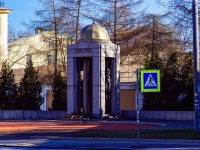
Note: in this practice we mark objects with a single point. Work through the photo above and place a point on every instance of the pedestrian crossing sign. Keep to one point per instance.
(150, 80)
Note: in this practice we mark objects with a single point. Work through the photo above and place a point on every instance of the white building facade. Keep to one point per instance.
(4, 33)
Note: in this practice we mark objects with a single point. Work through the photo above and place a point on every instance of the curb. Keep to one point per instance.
(98, 139)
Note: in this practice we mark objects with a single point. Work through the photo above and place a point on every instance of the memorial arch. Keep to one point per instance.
(93, 73)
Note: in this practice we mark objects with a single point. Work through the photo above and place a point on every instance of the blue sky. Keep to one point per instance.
(22, 10)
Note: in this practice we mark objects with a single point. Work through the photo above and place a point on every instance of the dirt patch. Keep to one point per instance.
(38, 127)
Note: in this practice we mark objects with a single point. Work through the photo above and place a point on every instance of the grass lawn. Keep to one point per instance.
(145, 134)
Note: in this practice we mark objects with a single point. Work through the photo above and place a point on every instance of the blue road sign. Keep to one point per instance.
(150, 80)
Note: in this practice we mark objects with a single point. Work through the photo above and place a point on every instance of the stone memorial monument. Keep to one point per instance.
(93, 74)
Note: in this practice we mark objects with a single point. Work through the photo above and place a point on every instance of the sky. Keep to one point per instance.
(23, 10)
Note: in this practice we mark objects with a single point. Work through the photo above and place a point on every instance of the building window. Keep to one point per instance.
(28, 58)
(51, 59)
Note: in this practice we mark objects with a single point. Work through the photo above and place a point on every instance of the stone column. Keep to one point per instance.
(98, 84)
(72, 81)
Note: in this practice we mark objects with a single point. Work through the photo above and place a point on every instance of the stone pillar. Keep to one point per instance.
(98, 83)
(72, 84)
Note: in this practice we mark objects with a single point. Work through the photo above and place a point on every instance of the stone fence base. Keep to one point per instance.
(145, 115)
(31, 114)
(160, 115)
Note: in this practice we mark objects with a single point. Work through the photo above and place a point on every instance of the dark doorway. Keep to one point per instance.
(108, 85)
(85, 85)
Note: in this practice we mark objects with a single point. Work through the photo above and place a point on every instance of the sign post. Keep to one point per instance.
(138, 108)
(149, 82)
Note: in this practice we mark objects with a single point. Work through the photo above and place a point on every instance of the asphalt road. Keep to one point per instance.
(11, 137)
(91, 143)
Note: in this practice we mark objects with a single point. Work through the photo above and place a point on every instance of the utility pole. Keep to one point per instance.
(196, 64)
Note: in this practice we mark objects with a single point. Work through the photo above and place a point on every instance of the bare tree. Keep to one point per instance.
(118, 16)
(181, 18)
(51, 19)
(150, 38)
(14, 35)
(76, 14)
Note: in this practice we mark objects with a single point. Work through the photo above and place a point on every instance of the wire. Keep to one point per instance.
(21, 9)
